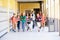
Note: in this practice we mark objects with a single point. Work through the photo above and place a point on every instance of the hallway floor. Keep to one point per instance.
(31, 36)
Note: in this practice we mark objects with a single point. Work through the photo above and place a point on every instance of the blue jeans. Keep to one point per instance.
(18, 25)
(23, 26)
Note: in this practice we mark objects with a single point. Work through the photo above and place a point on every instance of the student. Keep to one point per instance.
(18, 22)
(23, 20)
(31, 23)
(38, 22)
(27, 21)
(43, 20)
(40, 14)
(33, 18)
(14, 22)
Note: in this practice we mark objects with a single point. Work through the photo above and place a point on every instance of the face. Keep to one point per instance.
(23, 14)
(43, 14)
(40, 12)
(37, 15)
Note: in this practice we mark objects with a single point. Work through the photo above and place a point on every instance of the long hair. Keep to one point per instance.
(21, 14)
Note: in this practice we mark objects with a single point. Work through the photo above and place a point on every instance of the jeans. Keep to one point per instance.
(33, 23)
(18, 25)
(23, 26)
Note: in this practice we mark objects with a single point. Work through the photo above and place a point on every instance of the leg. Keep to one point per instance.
(33, 24)
(23, 26)
(38, 24)
(14, 26)
(18, 25)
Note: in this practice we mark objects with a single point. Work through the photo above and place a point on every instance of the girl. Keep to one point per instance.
(23, 20)
(43, 20)
(30, 23)
(14, 22)
(38, 22)
(18, 22)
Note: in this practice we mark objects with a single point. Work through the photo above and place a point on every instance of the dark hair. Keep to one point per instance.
(29, 14)
(17, 16)
(13, 13)
(21, 14)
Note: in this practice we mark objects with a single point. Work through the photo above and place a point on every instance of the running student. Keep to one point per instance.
(43, 20)
(23, 20)
(38, 22)
(14, 22)
(18, 22)
(30, 23)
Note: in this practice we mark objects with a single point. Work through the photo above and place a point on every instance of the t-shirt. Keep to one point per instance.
(18, 18)
(23, 18)
(38, 19)
(14, 20)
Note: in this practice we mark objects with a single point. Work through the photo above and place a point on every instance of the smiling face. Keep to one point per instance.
(37, 15)
(40, 12)
(23, 14)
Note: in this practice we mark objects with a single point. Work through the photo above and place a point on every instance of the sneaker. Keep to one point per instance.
(14, 30)
(18, 30)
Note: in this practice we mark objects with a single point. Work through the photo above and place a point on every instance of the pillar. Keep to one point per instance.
(59, 18)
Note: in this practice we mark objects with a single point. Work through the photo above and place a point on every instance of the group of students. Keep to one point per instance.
(28, 20)
(15, 20)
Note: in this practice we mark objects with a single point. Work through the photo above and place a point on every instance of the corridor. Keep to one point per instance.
(34, 35)
(29, 19)
(31, 36)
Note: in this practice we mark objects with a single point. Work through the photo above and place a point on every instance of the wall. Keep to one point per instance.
(14, 5)
(57, 15)
(7, 8)
(29, 6)
(53, 15)
(59, 18)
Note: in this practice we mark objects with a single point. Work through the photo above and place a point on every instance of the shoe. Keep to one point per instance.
(14, 30)
(38, 30)
(18, 30)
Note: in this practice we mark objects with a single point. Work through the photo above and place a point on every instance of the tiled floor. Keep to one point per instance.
(42, 35)
(31, 36)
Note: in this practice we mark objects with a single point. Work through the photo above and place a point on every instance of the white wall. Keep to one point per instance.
(53, 14)
(59, 17)
(4, 20)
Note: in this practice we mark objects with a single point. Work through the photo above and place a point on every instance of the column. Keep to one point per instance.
(59, 18)
(56, 15)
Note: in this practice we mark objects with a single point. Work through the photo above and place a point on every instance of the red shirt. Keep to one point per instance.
(13, 19)
(43, 19)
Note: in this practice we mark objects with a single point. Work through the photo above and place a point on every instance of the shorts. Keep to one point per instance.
(38, 24)
(31, 25)
(28, 22)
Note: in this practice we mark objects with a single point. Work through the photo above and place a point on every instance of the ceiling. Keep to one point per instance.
(28, 0)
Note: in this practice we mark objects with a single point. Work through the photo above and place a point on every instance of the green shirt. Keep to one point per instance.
(23, 18)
